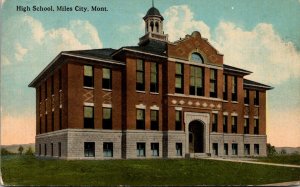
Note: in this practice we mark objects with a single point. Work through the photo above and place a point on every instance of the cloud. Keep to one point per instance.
(4, 62)
(180, 21)
(20, 52)
(260, 50)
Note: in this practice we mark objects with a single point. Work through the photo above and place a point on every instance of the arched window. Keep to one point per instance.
(196, 57)
(157, 27)
(151, 25)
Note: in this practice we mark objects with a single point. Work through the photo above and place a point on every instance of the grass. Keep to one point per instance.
(282, 159)
(28, 170)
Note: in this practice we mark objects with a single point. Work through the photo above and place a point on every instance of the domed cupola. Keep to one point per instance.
(153, 26)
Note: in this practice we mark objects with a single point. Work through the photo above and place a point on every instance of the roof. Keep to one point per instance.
(153, 12)
(94, 53)
(250, 83)
(235, 69)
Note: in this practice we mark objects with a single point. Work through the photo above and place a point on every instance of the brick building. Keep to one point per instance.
(159, 99)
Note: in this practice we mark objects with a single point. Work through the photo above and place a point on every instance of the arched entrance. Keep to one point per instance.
(196, 137)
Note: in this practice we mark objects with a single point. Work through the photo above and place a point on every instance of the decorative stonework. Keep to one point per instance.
(181, 102)
(52, 103)
(88, 96)
(211, 105)
(219, 106)
(197, 103)
(190, 103)
(204, 104)
(246, 111)
(256, 111)
(174, 101)
(106, 97)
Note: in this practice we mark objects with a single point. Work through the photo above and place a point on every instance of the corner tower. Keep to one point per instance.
(153, 26)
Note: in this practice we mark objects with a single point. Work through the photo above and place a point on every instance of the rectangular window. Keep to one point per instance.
(40, 149)
(140, 150)
(215, 148)
(246, 96)
(234, 124)
(225, 85)
(246, 126)
(140, 119)
(256, 149)
(214, 122)
(51, 149)
(256, 126)
(59, 79)
(52, 85)
(46, 123)
(107, 118)
(234, 149)
(60, 118)
(178, 149)
(225, 149)
(155, 149)
(40, 93)
(40, 125)
(154, 119)
(89, 149)
(178, 120)
(225, 124)
(140, 75)
(59, 149)
(106, 78)
(88, 80)
(213, 83)
(46, 90)
(246, 149)
(154, 77)
(196, 81)
(234, 89)
(256, 98)
(52, 120)
(108, 149)
(88, 117)
(179, 78)
(45, 149)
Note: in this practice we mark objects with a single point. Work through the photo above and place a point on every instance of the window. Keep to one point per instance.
(108, 149)
(59, 79)
(46, 123)
(256, 98)
(52, 120)
(196, 81)
(215, 148)
(214, 122)
(51, 149)
(225, 124)
(234, 89)
(40, 149)
(225, 85)
(40, 125)
(196, 57)
(45, 149)
(256, 126)
(88, 117)
(107, 118)
(234, 124)
(52, 85)
(46, 92)
(106, 78)
(246, 96)
(155, 149)
(154, 119)
(225, 149)
(247, 149)
(179, 78)
(140, 150)
(89, 149)
(140, 75)
(59, 149)
(178, 149)
(234, 149)
(178, 120)
(40, 94)
(256, 149)
(246, 126)
(140, 119)
(154, 77)
(88, 80)
(60, 118)
(213, 83)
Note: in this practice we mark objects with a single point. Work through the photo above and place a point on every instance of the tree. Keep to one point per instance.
(271, 151)
(283, 151)
(29, 151)
(5, 152)
(21, 149)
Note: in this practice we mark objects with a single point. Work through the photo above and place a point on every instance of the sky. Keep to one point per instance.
(259, 36)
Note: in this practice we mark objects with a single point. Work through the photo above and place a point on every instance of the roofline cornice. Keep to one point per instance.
(136, 51)
(258, 86)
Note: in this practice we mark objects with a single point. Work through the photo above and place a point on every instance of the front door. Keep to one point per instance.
(196, 137)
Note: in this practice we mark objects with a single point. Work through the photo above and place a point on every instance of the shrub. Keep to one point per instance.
(29, 151)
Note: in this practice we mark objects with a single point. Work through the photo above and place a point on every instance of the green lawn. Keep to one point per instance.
(27, 170)
(282, 159)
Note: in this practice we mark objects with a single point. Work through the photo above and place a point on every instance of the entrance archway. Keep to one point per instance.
(196, 137)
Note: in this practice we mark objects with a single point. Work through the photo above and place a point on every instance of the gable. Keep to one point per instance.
(184, 48)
